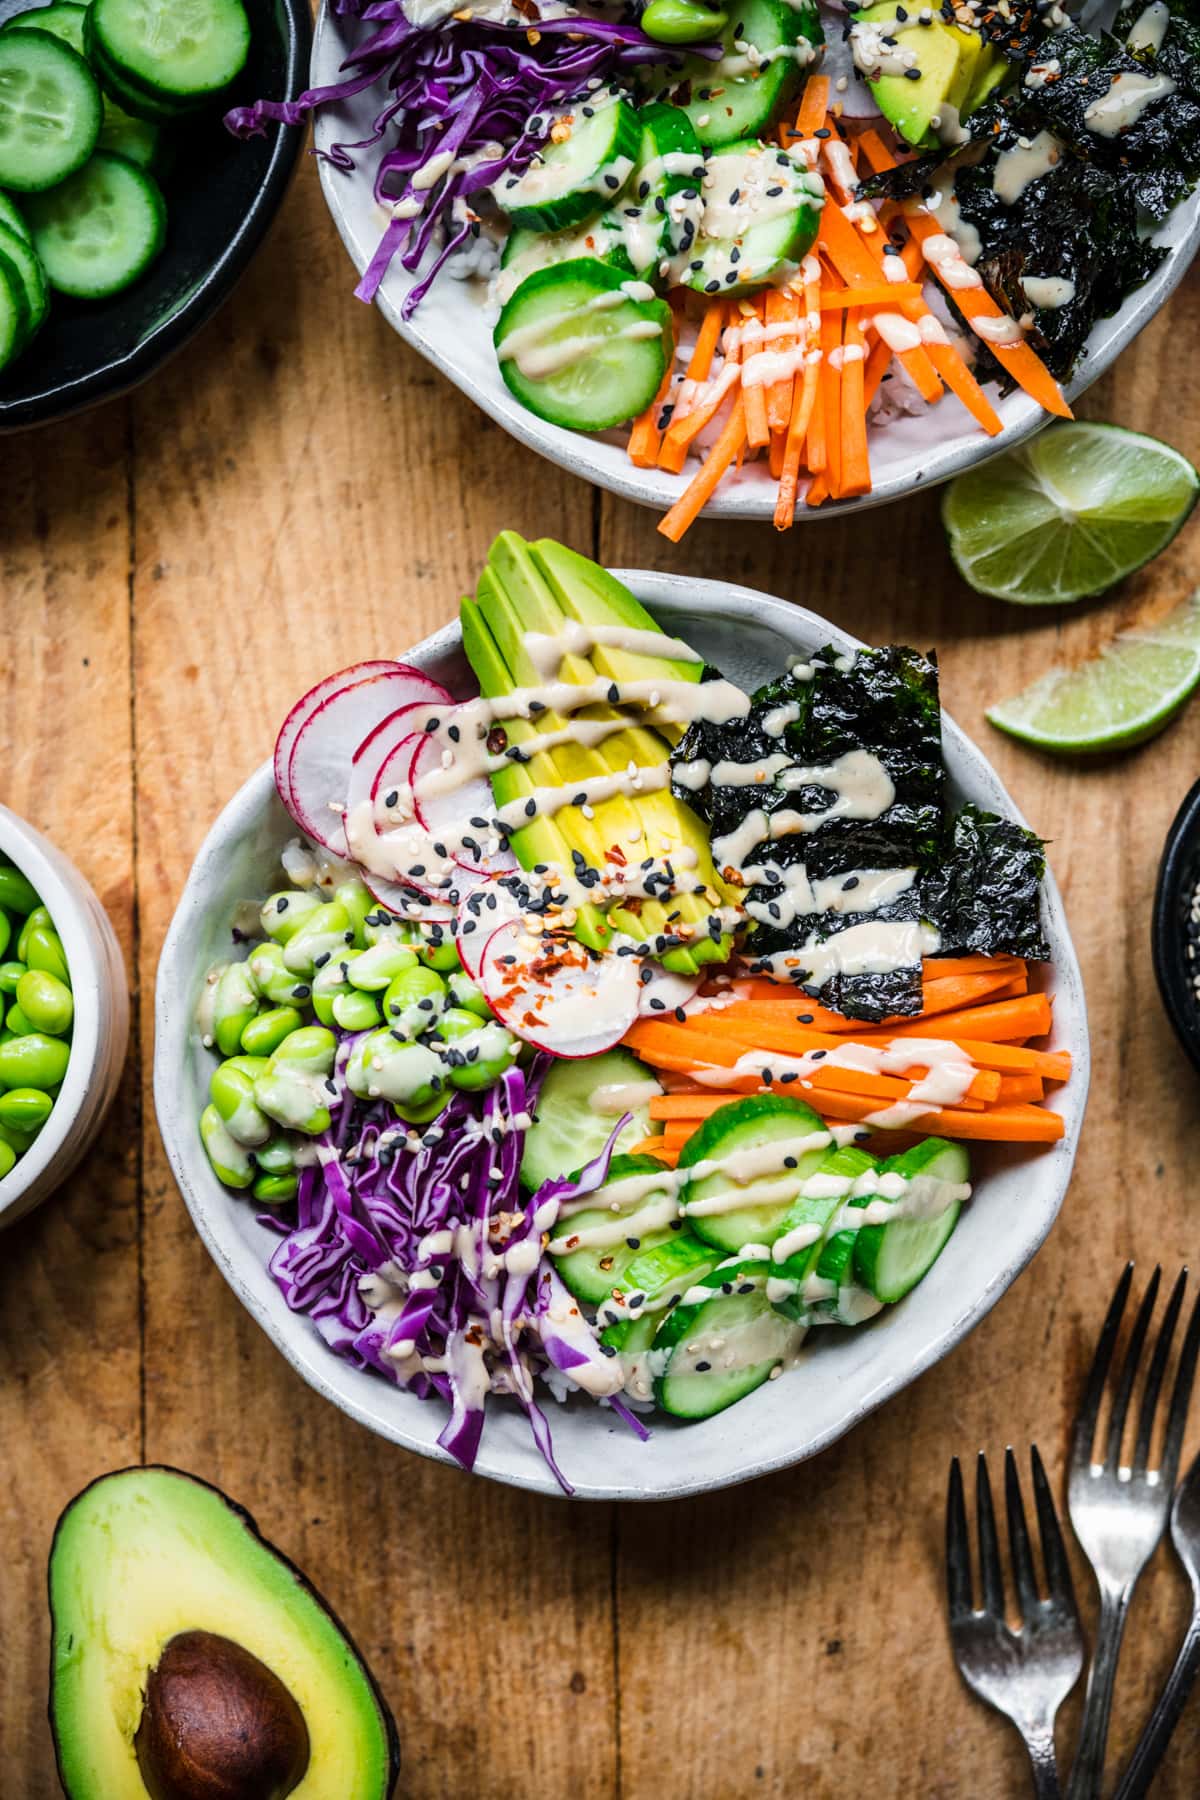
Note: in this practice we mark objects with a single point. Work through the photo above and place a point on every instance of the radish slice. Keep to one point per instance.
(662, 992)
(493, 903)
(412, 907)
(554, 994)
(454, 815)
(318, 774)
(307, 705)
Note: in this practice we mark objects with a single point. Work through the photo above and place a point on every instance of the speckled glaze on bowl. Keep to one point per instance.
(451, 332)
(222, 196)
(101, 1030)
(1171, 932)
(842, 1376)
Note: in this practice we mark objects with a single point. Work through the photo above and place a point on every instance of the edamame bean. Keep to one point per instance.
(421, 1115)
(38, 920)
(8, 1159)
(311, 1048)
(274, 1190)
(232, 1091)
(283, 914)
(10, 974)
(357, 901)
(16, 1140)
(46, 1002)
(328, 930)
(16, 1022)
(25, 1109)
(231, 1163)
(263, 1034)
(412, 1074)
(235, 1003)
(383, 927)
(274, 978)
(295, 1098)
(330, 980)
(462, 990)
(438, 950)
(414, 1000)
(276, 1157)
(380, 965)
(5, 932)
(43, 949)
(681, 22)
(33, 1060)
(17, 895)
(487, 1053)
(356, 1012)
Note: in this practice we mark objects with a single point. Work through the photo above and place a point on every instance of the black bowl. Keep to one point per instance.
(221, 197)
(1173, 931)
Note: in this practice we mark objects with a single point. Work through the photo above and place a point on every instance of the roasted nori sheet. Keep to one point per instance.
(984, 892)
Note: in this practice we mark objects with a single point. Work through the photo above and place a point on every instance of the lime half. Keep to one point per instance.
(1067, 514)
(1130, 691)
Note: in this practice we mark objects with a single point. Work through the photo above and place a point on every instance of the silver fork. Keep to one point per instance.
(1028, 1672)
(1118, 1511)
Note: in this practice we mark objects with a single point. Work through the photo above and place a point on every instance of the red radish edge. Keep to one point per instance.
(307, 704)
(570, 988)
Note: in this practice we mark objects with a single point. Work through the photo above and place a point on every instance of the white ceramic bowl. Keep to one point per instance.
(842, 1375)
(101, 1030)
(451, 331)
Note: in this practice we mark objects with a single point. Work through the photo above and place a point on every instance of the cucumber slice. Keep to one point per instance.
(612, 1232)
(574, 176)
(569, 1130)
(12, 216)
(173, 50)
(137, 140)
(658, 215)
(50, 111)
(24, 259)
(719, 1350)
(101, 230)
(761, 213)
(527, 251)
(64, 20)
(658, 1276)
(814, 1213)
(767, 45)
(583, 346)
(135, 101)
(631, 1340)
(889, 1260)
(12, 311)
(785, 1140)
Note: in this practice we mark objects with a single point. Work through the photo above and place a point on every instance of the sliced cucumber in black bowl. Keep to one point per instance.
(139, 212)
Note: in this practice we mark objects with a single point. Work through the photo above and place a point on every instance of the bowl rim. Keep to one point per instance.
(1168, 946)
(59, 400)
(581, 454)
(306, 1352)
(70, 909)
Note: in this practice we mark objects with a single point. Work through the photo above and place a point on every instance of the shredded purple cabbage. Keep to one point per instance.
(452, 93)
(443, 1224)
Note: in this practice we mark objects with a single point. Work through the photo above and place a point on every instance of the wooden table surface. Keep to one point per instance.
(296, 491)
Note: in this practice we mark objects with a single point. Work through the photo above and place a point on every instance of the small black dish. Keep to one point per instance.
(1173, 931)
(221, 197)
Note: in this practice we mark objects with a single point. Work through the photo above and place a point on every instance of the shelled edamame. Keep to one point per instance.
(37, 1013)
(336, 997)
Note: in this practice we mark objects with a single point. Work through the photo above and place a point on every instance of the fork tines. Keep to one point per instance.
(1089, 1411)
(1059, 1585)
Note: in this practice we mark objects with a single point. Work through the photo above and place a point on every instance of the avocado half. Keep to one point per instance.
(190, 1660)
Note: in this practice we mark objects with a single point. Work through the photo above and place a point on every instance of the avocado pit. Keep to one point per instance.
(218, 1724)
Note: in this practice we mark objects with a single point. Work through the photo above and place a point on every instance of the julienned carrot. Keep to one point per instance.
(1015, 1124)
(845, 250)
(884, 293)
(878, 363)
(814, 104)
(700, 489)
(782, 308)
(818, 489)
(805, 393)
(831, 393)
(856, 462)
(707, 338)
(995, 1023)
(1026, 368)
(938, 994)
(651, 1146)
(1025, 1090)
(645, 439)
(752, 319)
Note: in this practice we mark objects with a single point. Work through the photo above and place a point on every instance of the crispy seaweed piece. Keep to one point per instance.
(741, 741)
(984, 895)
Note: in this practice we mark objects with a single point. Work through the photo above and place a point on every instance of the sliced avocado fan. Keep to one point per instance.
(190, 1658)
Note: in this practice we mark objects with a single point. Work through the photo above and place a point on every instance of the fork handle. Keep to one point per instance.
(1087, 1771)
(1040, 1746)
(1154, 1740)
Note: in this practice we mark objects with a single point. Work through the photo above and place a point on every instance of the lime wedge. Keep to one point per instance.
(1122, 697)
(1067, 514)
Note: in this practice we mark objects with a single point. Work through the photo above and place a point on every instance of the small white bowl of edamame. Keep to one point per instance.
(99, 1030)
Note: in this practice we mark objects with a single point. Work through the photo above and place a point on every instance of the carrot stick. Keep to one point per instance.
(884, 293)
(804, 397)
(782, 308)
(758, 431)
(681, 432)
(707, 339)
(939, 994)
(845, 249)
(1022, 1089)
(831, 388)
(645, 439)
(818, 489)
(814, 104)
(700, 489)
(652, 1146)
(856, 462)
(878, 363)
(776, 451)
(1001, 1124)
(1000, 1022)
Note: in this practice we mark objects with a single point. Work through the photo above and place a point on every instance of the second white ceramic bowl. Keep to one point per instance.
(843, 1375)
(101, 1030)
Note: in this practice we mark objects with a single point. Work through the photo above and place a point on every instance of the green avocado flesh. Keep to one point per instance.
(146, 1555)
(957, 70)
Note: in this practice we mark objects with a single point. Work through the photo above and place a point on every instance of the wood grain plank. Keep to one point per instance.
(822, 1657)
(69, 1327)
(311, 494)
